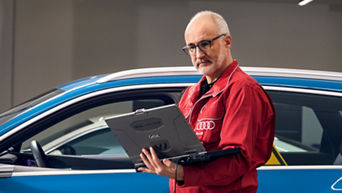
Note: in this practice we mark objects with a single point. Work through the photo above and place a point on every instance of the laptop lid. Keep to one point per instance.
(164, 128)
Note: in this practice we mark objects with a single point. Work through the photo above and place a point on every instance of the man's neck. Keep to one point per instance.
(217, 75)
(211, 80)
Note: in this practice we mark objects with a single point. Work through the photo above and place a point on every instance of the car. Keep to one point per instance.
(59, 142)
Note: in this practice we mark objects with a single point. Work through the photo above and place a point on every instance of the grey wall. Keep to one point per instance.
(43, 54)
(61, 40)
(104, 36)
(6, 46)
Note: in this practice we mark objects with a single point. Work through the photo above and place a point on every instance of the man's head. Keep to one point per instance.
(208, 43)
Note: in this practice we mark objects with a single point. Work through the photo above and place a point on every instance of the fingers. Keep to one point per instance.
(141, 169)
(150, 159)
(153, 153)
(155, 159)
(145, 160)
(168, 163)
(154, 165)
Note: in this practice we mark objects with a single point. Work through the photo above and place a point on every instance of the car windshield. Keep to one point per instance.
(13, 112)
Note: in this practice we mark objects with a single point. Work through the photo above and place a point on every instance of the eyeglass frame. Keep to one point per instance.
(186, 48)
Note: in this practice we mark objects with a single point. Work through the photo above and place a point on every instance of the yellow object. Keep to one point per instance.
(276, 159)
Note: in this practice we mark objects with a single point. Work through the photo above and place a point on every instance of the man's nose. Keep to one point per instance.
(199, 53)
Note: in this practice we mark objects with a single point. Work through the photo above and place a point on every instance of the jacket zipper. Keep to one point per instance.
(230, 76)
(196, 104)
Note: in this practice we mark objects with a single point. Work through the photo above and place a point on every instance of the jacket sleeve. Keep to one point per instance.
(246, 109)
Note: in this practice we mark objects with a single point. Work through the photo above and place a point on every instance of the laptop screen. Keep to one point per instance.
(164, 128)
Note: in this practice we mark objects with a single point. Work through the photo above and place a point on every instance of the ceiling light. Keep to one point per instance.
(304, 2)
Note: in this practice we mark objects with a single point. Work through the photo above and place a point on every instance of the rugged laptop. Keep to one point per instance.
(166, 130)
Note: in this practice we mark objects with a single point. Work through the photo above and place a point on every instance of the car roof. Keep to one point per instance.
(253, 71)
(191, 71)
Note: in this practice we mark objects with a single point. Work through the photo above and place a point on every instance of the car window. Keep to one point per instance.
(13, 112)
(86, 132)
(308, 127)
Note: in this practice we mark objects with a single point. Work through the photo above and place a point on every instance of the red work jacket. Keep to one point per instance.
(235, 112)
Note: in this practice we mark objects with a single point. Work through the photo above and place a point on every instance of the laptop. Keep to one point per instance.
(166, 130)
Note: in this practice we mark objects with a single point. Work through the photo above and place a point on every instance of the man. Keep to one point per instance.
(240, 112)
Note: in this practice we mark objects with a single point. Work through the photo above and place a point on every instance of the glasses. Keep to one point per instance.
(203, 45)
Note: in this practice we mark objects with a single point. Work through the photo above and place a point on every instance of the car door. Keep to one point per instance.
(309, 137)
(106, 181)
(80, 152)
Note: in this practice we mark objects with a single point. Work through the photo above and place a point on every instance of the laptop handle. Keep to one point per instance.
(199, 157)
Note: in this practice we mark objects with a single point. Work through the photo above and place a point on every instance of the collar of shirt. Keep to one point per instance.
(219, 85)
(205, 87)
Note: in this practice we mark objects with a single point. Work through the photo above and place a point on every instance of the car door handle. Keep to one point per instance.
(338, 181)
(6, 171)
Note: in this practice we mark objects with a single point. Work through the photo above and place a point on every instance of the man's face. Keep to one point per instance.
(211, 61)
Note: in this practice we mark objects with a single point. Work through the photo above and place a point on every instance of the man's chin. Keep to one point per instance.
(204, 69)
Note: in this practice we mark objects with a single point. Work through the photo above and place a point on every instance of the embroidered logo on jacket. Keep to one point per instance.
(204, 126)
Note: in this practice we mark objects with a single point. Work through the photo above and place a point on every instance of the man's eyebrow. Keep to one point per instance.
(190, 44)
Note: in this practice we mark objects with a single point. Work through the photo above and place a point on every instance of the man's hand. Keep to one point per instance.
(164, 168)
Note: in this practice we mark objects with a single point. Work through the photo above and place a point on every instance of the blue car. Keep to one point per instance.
(59, 142)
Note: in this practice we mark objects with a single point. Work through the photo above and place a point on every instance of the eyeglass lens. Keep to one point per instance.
(203, 45)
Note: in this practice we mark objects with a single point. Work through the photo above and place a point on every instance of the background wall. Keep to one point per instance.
(46, 43)
(6, 49)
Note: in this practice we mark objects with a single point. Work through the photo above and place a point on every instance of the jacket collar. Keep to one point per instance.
(220, 84)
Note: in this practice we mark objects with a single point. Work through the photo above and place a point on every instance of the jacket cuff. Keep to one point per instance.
(189, 178)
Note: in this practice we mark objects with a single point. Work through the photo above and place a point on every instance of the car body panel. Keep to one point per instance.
(271, 178)
(82, 181)
(300, 179)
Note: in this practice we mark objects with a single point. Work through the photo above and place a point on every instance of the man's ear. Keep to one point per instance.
(228, 40)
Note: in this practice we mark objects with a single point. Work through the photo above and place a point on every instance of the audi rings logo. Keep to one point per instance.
(205, 125)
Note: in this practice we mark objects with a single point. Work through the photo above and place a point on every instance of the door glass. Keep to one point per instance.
(308, 127)
(311, 128)
(13, 112)
(86, 133)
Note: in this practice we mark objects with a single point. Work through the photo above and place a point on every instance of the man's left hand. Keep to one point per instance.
(164, 168)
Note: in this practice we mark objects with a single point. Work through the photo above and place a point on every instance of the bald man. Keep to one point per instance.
(239, 111)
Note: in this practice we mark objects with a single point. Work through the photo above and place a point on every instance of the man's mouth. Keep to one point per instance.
(203, 61)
